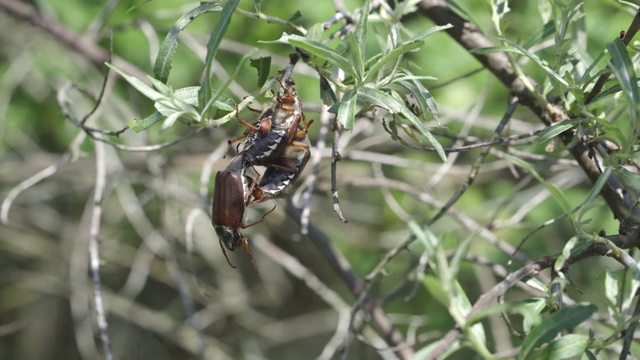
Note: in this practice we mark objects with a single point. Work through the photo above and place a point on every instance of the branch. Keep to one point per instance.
(83, 45)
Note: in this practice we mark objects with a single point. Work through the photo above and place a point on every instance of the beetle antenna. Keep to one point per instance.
(226, 256)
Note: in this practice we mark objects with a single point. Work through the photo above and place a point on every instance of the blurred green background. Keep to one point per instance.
(46, 301)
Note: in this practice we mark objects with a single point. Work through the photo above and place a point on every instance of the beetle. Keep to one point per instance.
(230, 194)
(267, 138)
(277, 181)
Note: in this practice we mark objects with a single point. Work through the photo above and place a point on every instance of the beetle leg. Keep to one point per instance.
(261, 219)
(252, 187)
(261, 126)
(306, 123)
(285, 165)
(244, 135)
(245, 242)
(299, 145)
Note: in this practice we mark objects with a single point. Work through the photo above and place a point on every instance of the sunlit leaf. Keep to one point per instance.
(138, 84)
(403, 48)
(557, 129)
(538, 61)
(212, 48)
(319, 50)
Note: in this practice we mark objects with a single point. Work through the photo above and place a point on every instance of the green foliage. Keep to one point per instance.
(379, 81)
(565, 318)
(385, 70)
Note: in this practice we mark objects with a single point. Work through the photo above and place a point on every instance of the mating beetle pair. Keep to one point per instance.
(277, 141)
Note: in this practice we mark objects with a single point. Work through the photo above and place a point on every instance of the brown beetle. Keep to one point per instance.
(230, 194)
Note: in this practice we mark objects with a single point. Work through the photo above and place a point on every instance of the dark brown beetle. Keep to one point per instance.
(230, 195)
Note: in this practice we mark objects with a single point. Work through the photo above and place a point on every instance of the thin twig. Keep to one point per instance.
(29, 182)
(334, 166)
(316, 157)
(475, 145)
(94, 249)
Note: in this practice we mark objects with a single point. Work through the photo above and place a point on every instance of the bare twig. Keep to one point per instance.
(29, 182)
(334, 166)
(475, 145)
(94, 249)
(305, 204)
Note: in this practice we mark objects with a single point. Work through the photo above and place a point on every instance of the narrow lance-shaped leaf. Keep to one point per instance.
(388, 102)
(538, 61)
(216, 94)
(327, 94)
(212, 48)
(356, 56)
(557, 129)
(168, 48)
(625, 74)
(347, 110)
(141, 125)
(427, 32)
(316, 49)
(557, 194)
(145, 89)
(190, 96)
(360, 38)
(422, 96)
(570, 346)
(565, 318)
